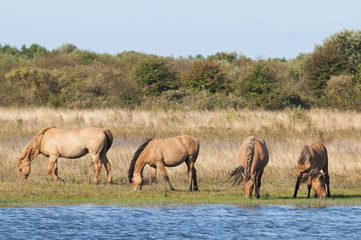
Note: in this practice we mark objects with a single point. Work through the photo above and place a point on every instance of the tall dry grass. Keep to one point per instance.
(220, 134)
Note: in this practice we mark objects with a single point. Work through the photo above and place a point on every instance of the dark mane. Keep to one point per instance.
(250, 153)
(135, 158)
(313, 173)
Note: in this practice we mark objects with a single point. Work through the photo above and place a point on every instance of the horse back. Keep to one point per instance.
(260, 150)
(73, 143)
(173, 151)
(319, 155)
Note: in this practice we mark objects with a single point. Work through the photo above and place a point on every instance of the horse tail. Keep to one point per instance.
(32, 149)
(238, 175)
(196, 155)
(135, 158)
(305, 155)
(109, 136)
(250, 153)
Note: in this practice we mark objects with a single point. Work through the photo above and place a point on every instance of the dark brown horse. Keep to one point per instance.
(54, 142)
(161, 153)
(254, 158)
(311, 161)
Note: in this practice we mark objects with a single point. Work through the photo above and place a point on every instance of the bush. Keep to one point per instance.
(205, 75)
(154, 75)
(32, 85)
(341, 93)
(262, 87)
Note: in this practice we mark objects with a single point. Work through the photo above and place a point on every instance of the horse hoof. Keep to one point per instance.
(172, 189)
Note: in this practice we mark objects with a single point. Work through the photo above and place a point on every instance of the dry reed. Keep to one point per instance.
(220, 134)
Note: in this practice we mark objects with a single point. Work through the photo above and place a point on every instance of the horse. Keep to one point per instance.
(312, 159)
(54, 142)
(161, 153)
(254, 157)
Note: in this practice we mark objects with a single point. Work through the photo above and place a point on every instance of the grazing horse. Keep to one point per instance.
(254, 158)
(312, 159)
(54, 142)
(161, 153)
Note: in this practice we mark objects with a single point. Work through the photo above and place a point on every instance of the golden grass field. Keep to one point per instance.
(220, 134)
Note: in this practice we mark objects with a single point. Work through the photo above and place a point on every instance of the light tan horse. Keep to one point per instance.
(161, 153)
(54, 142)
(254, 157)
(312, 159)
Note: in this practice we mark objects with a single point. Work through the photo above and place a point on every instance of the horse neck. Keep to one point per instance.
(31, 151)
(139, 166)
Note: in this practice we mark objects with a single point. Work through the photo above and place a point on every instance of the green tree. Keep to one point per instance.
(205, 75)
(347, 44)
(33, 51)
(86, 57)
(223, 56)
(67, 48)
(154, 74)
(262, 87)
(323, 63)
(7, 49)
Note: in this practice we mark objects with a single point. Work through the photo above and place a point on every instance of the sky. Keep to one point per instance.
(259, 29)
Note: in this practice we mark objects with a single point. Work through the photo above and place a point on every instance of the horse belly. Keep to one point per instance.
(174, 160)
(71, 150)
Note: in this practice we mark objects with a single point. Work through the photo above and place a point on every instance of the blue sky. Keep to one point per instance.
(257, 28)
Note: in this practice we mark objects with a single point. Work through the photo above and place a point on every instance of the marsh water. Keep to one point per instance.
(180, 222)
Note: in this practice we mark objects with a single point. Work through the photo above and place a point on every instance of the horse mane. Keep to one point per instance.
(313, 173)
(135, 158)
(32, 149)
(250, 153)
(109, 135)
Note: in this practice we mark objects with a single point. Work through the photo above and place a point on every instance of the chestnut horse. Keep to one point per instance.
(312, 159)
(54, 142)
(254, 158)
(161, 153)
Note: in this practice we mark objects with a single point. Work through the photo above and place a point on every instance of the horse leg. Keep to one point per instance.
(327, 180)
(153, 175)
(98, 166)
(106, 163)
(165, 175)
(55, 171)
(195, 184)
(52, 168)
(299, 176)
(190, 166)
(258, 183)
(309, 186)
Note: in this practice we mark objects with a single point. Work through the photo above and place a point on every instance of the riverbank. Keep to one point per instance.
(14, 194)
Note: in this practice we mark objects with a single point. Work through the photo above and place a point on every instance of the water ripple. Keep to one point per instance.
(183, 222)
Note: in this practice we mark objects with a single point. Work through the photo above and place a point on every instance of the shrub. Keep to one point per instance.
(205, 75)
(154, 75)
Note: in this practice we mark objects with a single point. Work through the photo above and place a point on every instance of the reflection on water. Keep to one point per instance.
(179, 222)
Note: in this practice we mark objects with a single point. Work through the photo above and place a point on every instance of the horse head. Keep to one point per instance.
(248, 187)
(23, 170)
(137, 181)
(318, 185)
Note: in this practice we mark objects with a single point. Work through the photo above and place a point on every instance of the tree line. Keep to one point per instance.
(67, 77)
